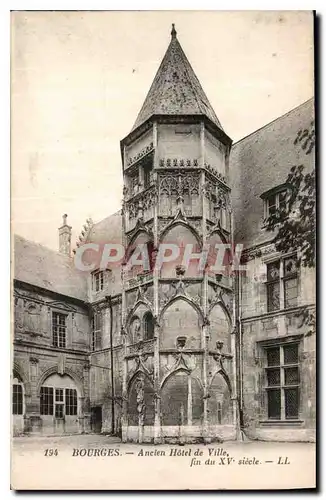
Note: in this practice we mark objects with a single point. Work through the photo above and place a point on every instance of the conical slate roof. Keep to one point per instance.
(176, 89)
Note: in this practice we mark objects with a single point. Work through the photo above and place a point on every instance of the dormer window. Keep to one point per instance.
(275, 199)
(98, 281)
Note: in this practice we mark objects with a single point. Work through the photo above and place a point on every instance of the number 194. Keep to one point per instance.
(50, 452)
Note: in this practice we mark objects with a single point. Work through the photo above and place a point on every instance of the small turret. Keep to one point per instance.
(65, 237)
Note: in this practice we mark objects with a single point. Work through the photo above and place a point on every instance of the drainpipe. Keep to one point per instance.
(112, 369)
(234, 339)
(237, 314)
(240, 351)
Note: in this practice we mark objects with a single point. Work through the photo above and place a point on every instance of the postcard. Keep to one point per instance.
(163, 229)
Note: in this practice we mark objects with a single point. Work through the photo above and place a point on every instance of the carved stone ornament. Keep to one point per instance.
(139, 386)
(145, 151)
(180, 270)
(254, 253)
(219, 356)
(84, 233)
(206, 321)
(178, 163)
(181, 342)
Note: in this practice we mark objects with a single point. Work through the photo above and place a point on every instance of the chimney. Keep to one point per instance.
(65, 237)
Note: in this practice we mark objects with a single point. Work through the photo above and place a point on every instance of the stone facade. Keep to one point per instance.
(173, 354)
(36, 360)
(268, 155)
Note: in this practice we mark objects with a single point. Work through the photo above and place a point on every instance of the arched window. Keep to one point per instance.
(148, 326)
(219, 404)
(58, 396)
(17, 396)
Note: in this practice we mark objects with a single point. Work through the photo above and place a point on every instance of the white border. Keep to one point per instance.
(5, 8)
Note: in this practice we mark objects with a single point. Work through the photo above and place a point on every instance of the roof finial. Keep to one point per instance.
(173, 32)
(64, 219)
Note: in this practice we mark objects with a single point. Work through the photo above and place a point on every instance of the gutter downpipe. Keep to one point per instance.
(112, 370)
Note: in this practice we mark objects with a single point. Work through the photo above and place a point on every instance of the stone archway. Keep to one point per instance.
(180, 317)
(220, 403)
(67, 371)
(181, 400)
(140, 400)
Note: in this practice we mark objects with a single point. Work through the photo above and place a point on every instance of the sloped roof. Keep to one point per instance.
(176, 89)
(262, 161)
(40, 266)
(108, 230)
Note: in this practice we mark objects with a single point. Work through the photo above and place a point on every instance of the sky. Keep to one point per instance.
(79, 79)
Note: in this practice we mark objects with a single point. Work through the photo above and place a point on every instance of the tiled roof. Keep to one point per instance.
(262, 161)
(108, 230)
(176, 89)
(40, 266)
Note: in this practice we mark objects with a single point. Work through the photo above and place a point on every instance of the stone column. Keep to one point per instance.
(156, 360)
(80, 414)
(202, 145)
(140, 406)
(234, 333)
(32, 417)
(234, 398)
(157, 400)
(124, 413)
(205, 336)
(189, 402)
(155, 144)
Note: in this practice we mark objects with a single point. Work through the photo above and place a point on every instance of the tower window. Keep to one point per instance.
(148, 326)
(147, 174)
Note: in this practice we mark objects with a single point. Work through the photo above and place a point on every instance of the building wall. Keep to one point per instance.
(215, 153)
(35, 358)
(101, 392)
(255, 335)
(138, 146)
(262, 161)
(178, 141)
(101, 388)
(258, 163)
(260, 330)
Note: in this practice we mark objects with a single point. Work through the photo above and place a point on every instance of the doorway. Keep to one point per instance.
(96, 419)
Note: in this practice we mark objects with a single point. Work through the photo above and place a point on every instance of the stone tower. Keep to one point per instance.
(177, 320)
